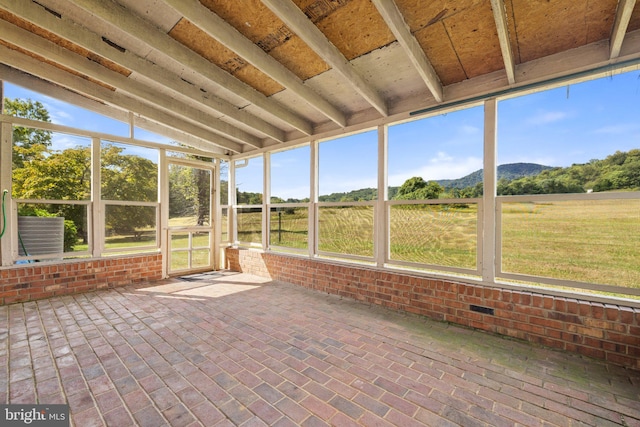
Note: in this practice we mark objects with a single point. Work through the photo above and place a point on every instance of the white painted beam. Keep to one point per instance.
(6, 150)
(623, 16)
(490, 182)
(67, 29)
(97, 225)
(500, 17)
(62, 56)
(381, 221)
(39, 85)
(397, 25)
(163, 197)
(78, 84)
(298, 22)
(226, 34)
(122, 20)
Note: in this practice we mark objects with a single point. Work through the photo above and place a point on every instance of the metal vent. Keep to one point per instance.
(40, 235)
(480, 309)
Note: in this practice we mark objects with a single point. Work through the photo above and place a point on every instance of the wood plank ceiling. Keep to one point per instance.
(243, 76)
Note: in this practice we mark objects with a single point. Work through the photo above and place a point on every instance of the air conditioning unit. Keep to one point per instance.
(40, 235)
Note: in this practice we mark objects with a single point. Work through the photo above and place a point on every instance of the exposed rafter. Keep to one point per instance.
(217, 28)
(59, 55)
(298, 22)
(154, 58)
(623, 16)
(147, 33)
(81, 36)
(500, 16)
(55, 75)
(400, 29)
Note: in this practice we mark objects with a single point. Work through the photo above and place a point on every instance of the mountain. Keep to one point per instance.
(509, 171)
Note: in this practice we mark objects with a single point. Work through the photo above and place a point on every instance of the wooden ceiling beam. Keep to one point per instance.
(396, 23)
(123, 20)
(500, 17)
(83, 37)
(226, 34)
(298, 22)
(70, 60)
(623, 16)
(78, 84)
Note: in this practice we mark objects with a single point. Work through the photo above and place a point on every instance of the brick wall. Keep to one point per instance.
(28, 282)
(603, 331)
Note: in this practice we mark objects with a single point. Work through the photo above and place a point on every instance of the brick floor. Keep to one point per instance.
(232, 349)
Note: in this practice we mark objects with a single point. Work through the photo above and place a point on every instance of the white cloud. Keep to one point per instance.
(56, 111)
(618, 129)
(442, 166)
(547, 117)
(469, 130)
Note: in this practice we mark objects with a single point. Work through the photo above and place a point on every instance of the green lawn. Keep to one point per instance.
(596, 241)
(591, 241)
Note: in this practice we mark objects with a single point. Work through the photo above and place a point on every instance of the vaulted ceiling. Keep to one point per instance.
(244, 76)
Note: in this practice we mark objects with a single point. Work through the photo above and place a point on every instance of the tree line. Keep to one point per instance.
(619, 171)
(41, 172)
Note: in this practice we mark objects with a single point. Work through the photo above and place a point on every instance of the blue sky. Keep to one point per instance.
(63, 113)
(571, 124)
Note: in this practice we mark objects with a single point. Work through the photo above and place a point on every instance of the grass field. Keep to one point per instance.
(596, 241)
(434, 234)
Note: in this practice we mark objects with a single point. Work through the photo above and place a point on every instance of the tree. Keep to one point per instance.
(128, 177)
(28, 143)
(58, 175)
(416, 188)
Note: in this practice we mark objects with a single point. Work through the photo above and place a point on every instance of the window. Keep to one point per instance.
(51, 182)
(63, 113)
(569, 211)
(249, 192)
(224, 201)
(129, 186)
(290, 189)
(435, 180)
(348, 169)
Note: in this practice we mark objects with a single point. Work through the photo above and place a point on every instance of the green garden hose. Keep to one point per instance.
(4, 214)
(4, 224)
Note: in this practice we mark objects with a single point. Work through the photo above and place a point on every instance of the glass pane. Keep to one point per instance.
(595, 241)
(290, 175)
(146, 135)
(224, 183)
(249, 179)
(45, 108)
(346, 230)
(444, 235)
(200, 258)
(189, 195)
(289, 227)
(575, 139)
(249, 225)
(130, 226)
(43, 228)
(200, 239)
(348, 168)
(443, 151)
(128, 173)
(180, 257)
(224, 225)
(50, 165)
